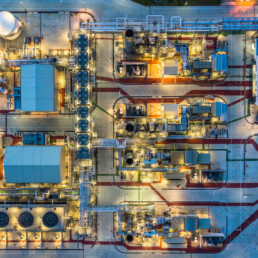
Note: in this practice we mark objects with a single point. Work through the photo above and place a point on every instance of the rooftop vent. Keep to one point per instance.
(25, 219)
(4, 219)
(50, 219)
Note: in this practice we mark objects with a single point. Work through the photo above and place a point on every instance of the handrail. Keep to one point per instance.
(174, 24)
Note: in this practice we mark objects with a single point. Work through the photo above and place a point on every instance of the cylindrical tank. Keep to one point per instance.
(129, 221)
(129, 40)
(129, 127)
(129, 159)
(129, 33)
(10, 26)
(129, 238)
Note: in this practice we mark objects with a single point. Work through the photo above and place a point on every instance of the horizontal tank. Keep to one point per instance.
(10, 26)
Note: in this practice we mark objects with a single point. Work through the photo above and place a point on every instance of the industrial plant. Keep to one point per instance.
(125, 135)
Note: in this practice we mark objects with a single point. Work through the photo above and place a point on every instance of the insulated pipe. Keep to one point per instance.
(39, 198)
(201, 22)
(176, 18)
(146, 169)
(19, 62)
(18, 192)
(112, 25)
(155, 16)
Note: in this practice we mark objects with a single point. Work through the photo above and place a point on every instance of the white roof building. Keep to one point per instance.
(34, 164)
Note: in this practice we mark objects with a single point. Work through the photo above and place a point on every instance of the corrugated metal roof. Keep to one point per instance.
(191, 223)
(204, 158)
(178, 222)
(220, 62)
(177, 157)
(201, 109)
(37, 88)
(190, 156)
(204, 223)
(201, 64)
(34, 164)
(171, 67)
(220, 109)
(170, 107)
(175, 240)
(175, 176)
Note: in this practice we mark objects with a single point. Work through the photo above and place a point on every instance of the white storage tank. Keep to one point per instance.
(10, 26)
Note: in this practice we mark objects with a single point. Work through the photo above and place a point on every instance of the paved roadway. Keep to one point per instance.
(41, 253)
(121, 8)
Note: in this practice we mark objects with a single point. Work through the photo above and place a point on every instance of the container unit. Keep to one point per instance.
(33, 139)
(17, 97)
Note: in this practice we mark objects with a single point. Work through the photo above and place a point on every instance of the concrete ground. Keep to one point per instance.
(237, 204)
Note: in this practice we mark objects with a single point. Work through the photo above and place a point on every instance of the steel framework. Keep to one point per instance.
(158, 23)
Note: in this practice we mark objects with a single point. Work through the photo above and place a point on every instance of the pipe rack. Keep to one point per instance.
(174, 24)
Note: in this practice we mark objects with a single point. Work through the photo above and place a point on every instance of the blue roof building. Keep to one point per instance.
(34, 164)
(37, 87)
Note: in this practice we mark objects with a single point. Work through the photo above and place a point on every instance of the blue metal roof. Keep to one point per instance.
(33, 139)
(37, 87)
(204, 223)
(34, 164)
(191, 223)
(221, 62)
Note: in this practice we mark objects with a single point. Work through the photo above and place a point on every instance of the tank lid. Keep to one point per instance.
(7, 23)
